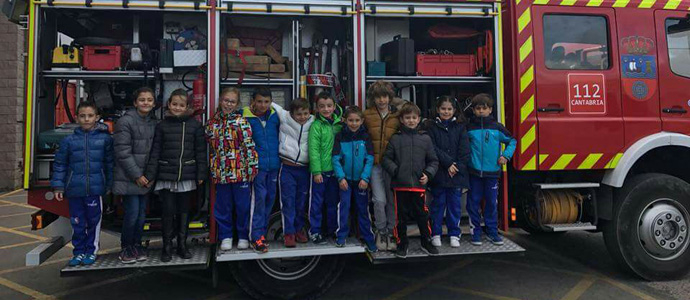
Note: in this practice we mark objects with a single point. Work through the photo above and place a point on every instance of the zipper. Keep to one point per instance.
(86, 151)
(383, 128)
(299, 143)
(481, 150)
(103, 175)
(352, 161)
(263, 128)
(179, 173)
(69, 179)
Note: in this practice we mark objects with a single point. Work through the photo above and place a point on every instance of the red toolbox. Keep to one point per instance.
(102, 58)
(446, 65)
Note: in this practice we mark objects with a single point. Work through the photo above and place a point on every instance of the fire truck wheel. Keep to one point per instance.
(649, 231)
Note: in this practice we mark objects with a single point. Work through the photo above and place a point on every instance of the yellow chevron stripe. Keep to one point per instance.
(541, 2)
(562, 161)
(526, 49)
(524, 20)
(672, 4)
(526, 78)
(590, 161)
(568, 2)
(542, 158)
(646, 3)
(517, 2)
(595, 3)
(614, 161)
(528, 138)
(621, 3)
(526, 109)
(531, 164)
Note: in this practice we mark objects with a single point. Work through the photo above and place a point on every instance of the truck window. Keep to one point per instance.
(678, 39)
(575, 42)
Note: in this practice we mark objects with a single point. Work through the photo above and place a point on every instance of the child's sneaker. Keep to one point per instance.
(476, 239)
(89, 259)
(226, 244)
(428, 248)
(127, 256)
(371, 247)
(318, 239)
(455, 241)
(392, 244)
(340, 243)
(401, 251)
(76, 260)
(495, 239)
(290, 241)
(243, 244)
(140, 252)
(301, 237)
(381, 241)
(259, 245)
(436, 240)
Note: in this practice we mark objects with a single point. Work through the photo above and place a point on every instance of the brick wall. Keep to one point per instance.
(11, 104)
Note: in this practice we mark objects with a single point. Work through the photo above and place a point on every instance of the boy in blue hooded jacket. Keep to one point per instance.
(486, 136)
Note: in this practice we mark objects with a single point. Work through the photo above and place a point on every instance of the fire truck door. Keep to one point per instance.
(673, 36)
(578, 101)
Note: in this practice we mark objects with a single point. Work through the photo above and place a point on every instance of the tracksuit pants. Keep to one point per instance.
(85, 216)
(263, 198)
(409, 205)
(382, 197)
(233, 198)
(447, 201)
(361, 201)
(133, 222)
(487, 189)
(324, 194)
(294, 183)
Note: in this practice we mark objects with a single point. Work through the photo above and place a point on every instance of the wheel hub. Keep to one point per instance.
(663, 229)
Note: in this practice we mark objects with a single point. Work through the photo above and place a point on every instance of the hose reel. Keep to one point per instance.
(559, 206)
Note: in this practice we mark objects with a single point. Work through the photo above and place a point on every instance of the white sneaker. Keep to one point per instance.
(436, 241)
(242, 244)
(455, 241)
(226, 245)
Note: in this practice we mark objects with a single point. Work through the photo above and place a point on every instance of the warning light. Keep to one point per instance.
(513, 216)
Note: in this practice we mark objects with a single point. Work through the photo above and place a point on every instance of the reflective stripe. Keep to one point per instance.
(590, 161)
(542, 158)
(646, 3)
(526, 78)
(528, 139)
(526, 109)
(531, 164)
(526, 49)
(595, 3)
(563, 162)
(524, 19)
(621, 3)
(672, 4)
(614, 161)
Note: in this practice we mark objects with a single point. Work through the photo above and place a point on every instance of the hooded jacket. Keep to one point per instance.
(293, 137)
(410, 154)
(179, 150)
(265, 136)
(353, 155)
(233, 156)
(452, 146)
(381, 129)
(486, 136)
(321, 139)
(132, 139)
(84, 163)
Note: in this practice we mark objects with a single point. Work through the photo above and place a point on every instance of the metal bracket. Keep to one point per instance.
(230, 6)
(373, 9)
(343, 9)
(449, 11)
(50, 2)
(125, 3)
(161, 4)
(411, 9)
(197, 3)
(486, 12)
(269, 8)
(88, 3)
(307, 9)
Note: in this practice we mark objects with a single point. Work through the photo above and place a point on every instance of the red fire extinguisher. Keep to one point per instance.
(199, 96)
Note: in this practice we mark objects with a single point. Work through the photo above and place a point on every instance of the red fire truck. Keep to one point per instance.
(594, 91)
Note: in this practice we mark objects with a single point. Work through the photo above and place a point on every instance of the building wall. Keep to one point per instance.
(12, 60)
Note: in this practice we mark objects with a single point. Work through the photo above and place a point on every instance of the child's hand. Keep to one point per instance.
(150, 184)
(200, 182)
(343, 184)
(424, 179)
(59, 196)
(502, 160)
(363, 185)
(318, 179)
(142, 181)
(452, 170)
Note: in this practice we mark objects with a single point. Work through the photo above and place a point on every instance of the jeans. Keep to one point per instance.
(135, 216)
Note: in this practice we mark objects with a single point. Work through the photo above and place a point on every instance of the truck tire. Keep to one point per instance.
(649, 230)
(287, 278)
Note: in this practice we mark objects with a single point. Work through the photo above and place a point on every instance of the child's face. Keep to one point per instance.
(354, 121)
(410, 120)
(482, 110)
(229, 102)
(261, 104)
(301, 115)
(144, 103)
(87, 118)
(446, 111)
(382, 102)
(177, 105)
(325, 107)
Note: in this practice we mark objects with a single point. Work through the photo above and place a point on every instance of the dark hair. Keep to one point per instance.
(261, 91)
(380, 88)
(141, 90)
(181, 93)
(409, 108)
(90, 104)
(454, 102)
(354, 109)
(483, 99)
(324, 95)
(298, 103)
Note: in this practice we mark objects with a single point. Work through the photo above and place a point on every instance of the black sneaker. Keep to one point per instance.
(127, 256)
(401, 252)
(428, 248)
(259, 246)
(318, 239)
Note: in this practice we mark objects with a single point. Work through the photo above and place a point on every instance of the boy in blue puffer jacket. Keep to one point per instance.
(486, 136)
(353, 158)
(83, 173)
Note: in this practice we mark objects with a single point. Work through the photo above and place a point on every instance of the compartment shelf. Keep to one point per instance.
(257, 81)
(96, 75)
(431, 79)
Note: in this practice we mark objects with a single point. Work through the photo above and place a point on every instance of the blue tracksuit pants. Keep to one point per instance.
(487, 189)
(85, 216)
(233, 197)
(263, 198)
(324, 194)
(446, 201)
(361, 201)
(294, 183)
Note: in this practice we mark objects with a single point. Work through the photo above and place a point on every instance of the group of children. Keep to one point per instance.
(320, 164)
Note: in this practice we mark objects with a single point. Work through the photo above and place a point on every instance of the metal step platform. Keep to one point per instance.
(200, 260)
(415, 250)
(570, 227)
(277, 249)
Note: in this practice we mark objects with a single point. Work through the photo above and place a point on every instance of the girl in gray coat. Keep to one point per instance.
(133, 139)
